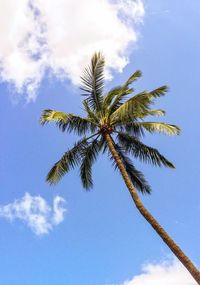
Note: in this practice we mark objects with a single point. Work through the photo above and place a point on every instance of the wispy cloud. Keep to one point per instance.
(35, 212)
(60, 36)
(164, 273)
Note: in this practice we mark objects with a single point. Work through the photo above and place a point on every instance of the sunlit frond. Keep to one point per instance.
(137, 74)
(138, 106)
(119, 99)
(158, 92)
(114, 98)
(54, 116)
(131, 126)
(68, 122)
(158, 112)
(108, 98)
(159, 127)
(132, 108)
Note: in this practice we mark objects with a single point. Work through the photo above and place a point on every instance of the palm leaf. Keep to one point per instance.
(107, 100)
(159, 127)
(137, 74)
(129, 121)
(137, 178)
(132, 108)
(68, 122)
(102, 145)
(91, 115)
(120, 92)
(54, 116)
(93, 81)
(158, 92)
(89, 155)
(158, 112)
(138, 105)
(142, 151)
(118, 100)
(68, 161)
(132, 127)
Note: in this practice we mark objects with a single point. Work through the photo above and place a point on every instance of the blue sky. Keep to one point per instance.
(100, 239)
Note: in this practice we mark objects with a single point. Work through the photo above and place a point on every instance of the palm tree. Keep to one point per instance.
(114, 123)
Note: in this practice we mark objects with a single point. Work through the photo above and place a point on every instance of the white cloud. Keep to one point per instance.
(35, 212)
(61, 36)
(165, 273)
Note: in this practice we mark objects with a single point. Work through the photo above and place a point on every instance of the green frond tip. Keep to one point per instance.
(137, 74)
(53, 116)
(158, 112)
(160, 128)
(57, 172)
(158, 92)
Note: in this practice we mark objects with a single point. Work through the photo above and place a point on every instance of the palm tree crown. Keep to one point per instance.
(115, 123)
(116, 113)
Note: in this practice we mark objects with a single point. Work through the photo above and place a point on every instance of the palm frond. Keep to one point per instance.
(119, 93)
(143, 152)
(160, 91)
(137, 74)
(159, 127)
(49, 115)
(138, 105)
(68, 122)
(119, 99)
(93, 81)
(91, 115)
(131, 128)
(126, 120)
(89, 155)
(137, 178)
(108, 98)
(103, 145)
(68, 161)
(158, 112)
(132, 108)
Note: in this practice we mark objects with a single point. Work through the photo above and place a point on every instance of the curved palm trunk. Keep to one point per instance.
(150, 219)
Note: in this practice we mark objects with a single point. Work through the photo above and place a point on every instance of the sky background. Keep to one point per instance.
(64, 235)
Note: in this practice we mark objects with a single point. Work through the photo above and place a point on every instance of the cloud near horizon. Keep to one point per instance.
(59, 37)
(35, 212)
(170, 272)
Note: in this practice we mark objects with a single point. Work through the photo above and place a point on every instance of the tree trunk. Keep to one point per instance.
(150, 219)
